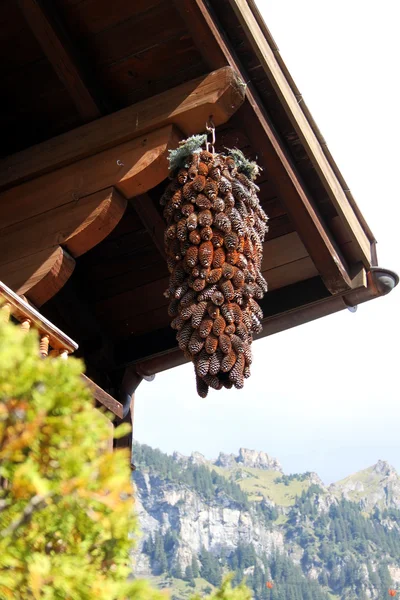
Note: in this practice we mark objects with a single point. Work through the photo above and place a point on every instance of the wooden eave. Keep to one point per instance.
(81, 231)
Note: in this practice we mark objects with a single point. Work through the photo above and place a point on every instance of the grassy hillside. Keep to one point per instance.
(259, 484)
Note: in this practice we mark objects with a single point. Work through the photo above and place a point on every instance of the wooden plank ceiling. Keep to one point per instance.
(73, 61)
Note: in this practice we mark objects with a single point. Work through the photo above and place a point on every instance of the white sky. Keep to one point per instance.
(324, 396)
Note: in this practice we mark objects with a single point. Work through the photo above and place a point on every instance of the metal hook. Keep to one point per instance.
(210, 128)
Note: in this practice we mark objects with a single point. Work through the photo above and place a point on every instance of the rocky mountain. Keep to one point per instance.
(378, 486)
(201, 519)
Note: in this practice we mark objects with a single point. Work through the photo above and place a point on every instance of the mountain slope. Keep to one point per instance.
(203, 518)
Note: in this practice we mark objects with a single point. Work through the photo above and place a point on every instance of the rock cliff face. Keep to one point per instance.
(213, 525)
(258, 460)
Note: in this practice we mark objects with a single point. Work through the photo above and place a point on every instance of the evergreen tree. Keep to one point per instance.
(189, 574)
(195, 567)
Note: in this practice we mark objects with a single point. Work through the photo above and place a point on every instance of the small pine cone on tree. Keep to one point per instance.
(191, 257)
(246, 372)
(222, 222)
(218, 205)
(232, 257)
(217, 240)
(205, 327)
(219, 326)
(215, 362)
(237, 344)
(238, 278)
(201, 387)
(219, 258)
(206, 233)
(214, 275)
(213, 382)
(236, 374)
(177, 323)
(227, 289)
(203, 202)
(211, 189)
(202, 169)
(231, 241)
(182, 230)
(217, 298)
(227, 313)
(196, 343)
(186, 312)
(213, 310)
(182, 176)
(184, 335)
(206, 253)
(187, 299)
(199, 183)
(228, 361)
(208, 291)
(205, 218)
(191, 222)
(187, 209)
(224, 343)
(188, 192)
(199, 284)
(198, 314)
(203, 363)
(242, 331)
(173, 307)
(248, 356)
(228, 270)
(211, 344)
(195, 237)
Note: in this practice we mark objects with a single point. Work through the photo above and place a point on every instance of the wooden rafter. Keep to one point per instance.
(57, 50)
(187, 106)
(315, 236)
(151, 219)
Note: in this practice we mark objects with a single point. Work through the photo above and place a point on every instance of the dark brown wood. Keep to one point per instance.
(56, 51)
(199, 30)
(40, 276)
(261, 133)
(105, 399)
(132, 167)
(188, 106)
(78, 225)
(151, 219)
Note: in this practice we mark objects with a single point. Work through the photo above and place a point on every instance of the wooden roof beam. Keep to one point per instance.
(59, 52)
(151, 219)
(313, 232)
(188, 106)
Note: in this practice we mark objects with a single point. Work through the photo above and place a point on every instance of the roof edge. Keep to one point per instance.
(317, 132)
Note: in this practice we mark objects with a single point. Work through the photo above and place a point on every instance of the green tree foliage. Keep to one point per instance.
(209, 484)
(66, 506)
(210, 568)
(342, 539)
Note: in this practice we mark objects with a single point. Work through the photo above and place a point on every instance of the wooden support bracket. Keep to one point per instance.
(64, 208)
(188, 106)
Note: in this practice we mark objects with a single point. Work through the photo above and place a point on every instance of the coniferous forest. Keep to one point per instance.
(332, 547)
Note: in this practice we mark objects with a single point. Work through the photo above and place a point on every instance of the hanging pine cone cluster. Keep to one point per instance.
(214, 242)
